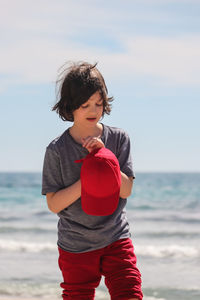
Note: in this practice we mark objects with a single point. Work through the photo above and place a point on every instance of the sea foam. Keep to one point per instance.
(142, 250)
(22, 246)
(167, 251)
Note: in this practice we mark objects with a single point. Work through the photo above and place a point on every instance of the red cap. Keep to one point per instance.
(100, 182)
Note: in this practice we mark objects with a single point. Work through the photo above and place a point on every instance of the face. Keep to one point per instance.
(90, 112)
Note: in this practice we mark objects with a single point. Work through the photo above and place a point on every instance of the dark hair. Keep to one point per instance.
(76, 84)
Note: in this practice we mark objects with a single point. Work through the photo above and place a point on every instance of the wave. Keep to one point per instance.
(23, 289)
(153, 251)
(164, 216)
(166, 234)
(177, 251)
(31, 289)
(28, 289)
(37, 230)
(152, 298)
(21, 246)
(162, 293)
(9, 219)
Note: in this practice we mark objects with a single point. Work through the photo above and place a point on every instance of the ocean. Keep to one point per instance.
(164, 218)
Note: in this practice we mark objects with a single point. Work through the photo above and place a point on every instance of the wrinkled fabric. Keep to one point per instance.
(117, 262)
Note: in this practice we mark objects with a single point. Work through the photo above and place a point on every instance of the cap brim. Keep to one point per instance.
(99, 206)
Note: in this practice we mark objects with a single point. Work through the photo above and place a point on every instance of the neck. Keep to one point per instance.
(79, 132)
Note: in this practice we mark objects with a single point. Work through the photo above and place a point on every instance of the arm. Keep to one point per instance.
(63, 198)
(126, 186)
(58, 196)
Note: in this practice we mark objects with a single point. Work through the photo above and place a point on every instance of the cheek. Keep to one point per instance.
(100, 110)
(77, 114)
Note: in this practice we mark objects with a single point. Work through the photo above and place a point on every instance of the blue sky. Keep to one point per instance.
(148, 52)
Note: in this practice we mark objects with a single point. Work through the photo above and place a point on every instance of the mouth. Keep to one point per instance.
(91, 119)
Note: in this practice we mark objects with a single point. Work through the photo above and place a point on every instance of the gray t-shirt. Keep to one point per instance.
(77, 231)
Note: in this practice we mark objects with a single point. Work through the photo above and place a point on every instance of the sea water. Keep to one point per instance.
(164, 217)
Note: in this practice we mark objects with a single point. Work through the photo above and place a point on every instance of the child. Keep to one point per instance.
(89, 246)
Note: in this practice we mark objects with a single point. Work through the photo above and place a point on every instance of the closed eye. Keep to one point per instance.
(100, 103)
(85, 106)
(97, 104)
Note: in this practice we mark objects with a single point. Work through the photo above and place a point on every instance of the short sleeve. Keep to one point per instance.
(124, 156)
(51, 175)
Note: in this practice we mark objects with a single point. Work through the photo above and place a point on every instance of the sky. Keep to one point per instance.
(149, 54)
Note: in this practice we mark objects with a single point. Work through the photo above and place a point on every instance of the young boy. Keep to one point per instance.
(89, 246)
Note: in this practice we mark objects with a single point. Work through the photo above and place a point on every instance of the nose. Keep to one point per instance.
(93, 108)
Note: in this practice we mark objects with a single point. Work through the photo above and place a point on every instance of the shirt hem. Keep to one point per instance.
(94, 248)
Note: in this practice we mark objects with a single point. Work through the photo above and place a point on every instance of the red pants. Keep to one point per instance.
(117, 262)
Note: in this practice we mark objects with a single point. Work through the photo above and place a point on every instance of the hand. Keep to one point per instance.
(92, 142)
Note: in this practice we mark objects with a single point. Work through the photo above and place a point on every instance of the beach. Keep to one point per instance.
(163, 213)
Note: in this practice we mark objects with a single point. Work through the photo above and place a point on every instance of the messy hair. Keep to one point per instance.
(75, 85)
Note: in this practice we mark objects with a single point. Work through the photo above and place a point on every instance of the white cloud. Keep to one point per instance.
(38, 37)
(173, 60)
(176, 60)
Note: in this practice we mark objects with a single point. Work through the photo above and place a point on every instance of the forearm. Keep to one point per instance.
(63, 198)
(126, 186)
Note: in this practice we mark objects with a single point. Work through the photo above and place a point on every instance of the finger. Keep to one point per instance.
(85, 140)
(90, 143)
(91, 139)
